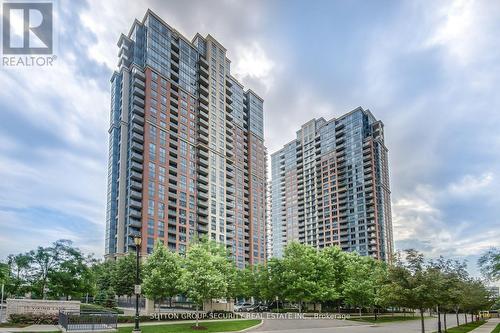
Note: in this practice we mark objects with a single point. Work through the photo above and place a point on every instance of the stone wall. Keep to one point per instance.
(38, 306)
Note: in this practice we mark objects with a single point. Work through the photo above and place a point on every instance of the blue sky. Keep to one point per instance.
(430, 70)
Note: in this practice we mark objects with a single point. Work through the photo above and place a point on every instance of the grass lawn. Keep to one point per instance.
(466, 327)
(497, 329)
(384, 319)
(214, 326)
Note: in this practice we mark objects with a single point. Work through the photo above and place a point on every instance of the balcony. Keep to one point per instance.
(203, 81)
(137, 128)
(135, 194)
(204, 99)
(204, 197)
(135, 213)
(203, 90)
(203, 63)
(203, 162)
(203, 114)
(136, 166)
(136, 185)
(137, 119)
(138, 147)
(202, 211)
(138, 92)
(135, 223)
(174, 55)
(136, 157)
(202, 180)
(204, 202)
(137, 176)
(135, 203)
(138, 110)
(202, 188)
(138, 101)
(139, 83)
(202, 220)
(203, 154)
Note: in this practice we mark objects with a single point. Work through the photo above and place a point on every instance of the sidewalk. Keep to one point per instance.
(32, 328)
(488, 327)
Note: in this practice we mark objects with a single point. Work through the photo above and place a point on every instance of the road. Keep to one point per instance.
(346, 326)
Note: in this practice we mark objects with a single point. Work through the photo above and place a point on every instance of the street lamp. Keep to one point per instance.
(137, 289)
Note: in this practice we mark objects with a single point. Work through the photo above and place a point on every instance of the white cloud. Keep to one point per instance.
(470, 184)
(251, 60)
(419, 218)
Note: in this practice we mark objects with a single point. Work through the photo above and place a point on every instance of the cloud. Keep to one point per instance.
(429, 71)
(424, 219)
(470, 184)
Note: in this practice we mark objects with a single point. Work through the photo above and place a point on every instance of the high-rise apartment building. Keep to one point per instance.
(186, 147)
(330, 186)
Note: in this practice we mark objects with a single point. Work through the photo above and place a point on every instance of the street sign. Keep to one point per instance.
(137, 289)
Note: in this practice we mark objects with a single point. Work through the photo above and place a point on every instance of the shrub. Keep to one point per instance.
(99, 308)
(34, 319)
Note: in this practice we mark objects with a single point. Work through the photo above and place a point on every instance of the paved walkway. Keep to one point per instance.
(488, 327)
(346, 326)
(32, 328)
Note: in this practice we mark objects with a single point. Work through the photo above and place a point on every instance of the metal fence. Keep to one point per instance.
(87, 321)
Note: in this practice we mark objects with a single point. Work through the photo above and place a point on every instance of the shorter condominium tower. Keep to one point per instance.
(186, 147)
(330, 186)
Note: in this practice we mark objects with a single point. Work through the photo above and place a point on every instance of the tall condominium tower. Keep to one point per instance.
(186, 149)
(330, 186)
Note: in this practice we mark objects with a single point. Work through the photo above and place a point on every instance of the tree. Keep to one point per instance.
(59, 270)
(72, 277)
(409, 284)
(276, 284)
(475, 297)
(299, 273)
(18, 268)
(162, 273)
(206, 273)
(124, 275)
(490, 264)
(359, 286)
(329, 274)
(449, 275)
(4, 272)
(103, 275)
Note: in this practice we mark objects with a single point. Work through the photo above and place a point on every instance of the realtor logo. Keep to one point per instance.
(27, 28)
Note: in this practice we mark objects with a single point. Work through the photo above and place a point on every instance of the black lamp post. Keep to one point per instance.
(137, 241)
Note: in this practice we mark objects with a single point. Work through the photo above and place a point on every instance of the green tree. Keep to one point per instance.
(409, 284)
(360, 285)
(103, 275)
(18, 267)
(4, 273)
(490, 264)
(162, 273)
(475, 297)
(124, 275)
(329, 274)
(275, 284)
(299, 273)
(335, 272)
(448, 275)
(72, 277)
(206, 273)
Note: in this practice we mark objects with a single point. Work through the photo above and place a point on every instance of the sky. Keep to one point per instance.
(429, 70)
